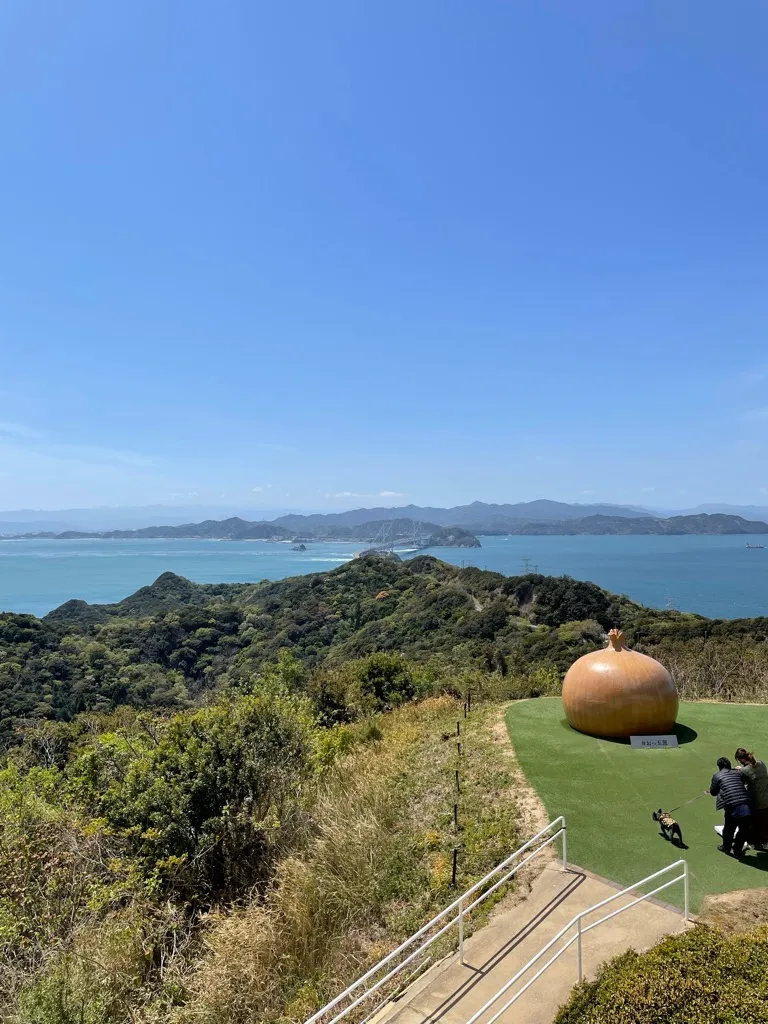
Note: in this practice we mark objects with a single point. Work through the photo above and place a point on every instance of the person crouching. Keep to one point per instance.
(755, 775)
(728, 786)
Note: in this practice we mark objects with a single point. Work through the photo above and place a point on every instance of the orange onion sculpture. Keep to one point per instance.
(617, 693)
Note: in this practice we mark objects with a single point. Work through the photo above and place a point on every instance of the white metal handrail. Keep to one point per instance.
(576, 923)
(458, 910)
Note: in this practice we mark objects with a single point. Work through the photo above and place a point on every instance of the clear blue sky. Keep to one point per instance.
(307, 253)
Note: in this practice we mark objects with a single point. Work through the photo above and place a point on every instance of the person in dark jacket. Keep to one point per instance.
(732, 798)
(755, 775)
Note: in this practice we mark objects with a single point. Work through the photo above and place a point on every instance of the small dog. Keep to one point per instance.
(669, 827)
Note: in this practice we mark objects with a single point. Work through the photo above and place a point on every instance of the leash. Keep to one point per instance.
(688, 802)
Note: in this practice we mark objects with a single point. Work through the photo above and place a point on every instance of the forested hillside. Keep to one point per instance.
(175, 641)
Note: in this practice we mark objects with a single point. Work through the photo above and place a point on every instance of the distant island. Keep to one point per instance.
(421, 534)
(703, 524)
(386, 532)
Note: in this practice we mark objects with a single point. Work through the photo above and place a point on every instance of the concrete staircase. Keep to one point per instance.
(451, 993)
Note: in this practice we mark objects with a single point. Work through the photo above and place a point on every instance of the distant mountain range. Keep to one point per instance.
(479, 516)
(419, 532)
(751, 512)
(701, 524)
(99, 520)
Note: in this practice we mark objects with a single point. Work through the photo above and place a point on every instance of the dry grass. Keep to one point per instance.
(736, 911)
(377, 867)
(721, 669)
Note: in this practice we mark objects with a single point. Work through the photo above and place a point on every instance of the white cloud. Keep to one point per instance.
(364, 494)
(259, 490)
(647, 490)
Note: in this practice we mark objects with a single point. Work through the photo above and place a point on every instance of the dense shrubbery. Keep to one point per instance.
(128, 840)
(202, 800)
(694, 978)
(376, 867)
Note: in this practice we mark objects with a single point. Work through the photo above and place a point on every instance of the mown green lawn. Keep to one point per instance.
(607, 791)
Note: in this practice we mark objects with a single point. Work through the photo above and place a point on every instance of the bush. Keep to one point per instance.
(205, 805)
(382, 682)
(695, 978)
(58, 875)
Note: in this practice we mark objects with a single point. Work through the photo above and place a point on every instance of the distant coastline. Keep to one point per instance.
(382, 533)
(420, 533)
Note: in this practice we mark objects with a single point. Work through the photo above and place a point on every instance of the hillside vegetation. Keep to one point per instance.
(235, 863)
(694, 978)
(172, 643)
(220, 803)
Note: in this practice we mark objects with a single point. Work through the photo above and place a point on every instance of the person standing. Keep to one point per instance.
(755, 774)
(732, 798)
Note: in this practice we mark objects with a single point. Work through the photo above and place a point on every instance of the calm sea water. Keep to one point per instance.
(716, 576)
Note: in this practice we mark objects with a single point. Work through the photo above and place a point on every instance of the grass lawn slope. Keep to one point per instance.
(607, 791)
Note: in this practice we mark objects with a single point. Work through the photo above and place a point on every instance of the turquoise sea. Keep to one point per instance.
(715, 576)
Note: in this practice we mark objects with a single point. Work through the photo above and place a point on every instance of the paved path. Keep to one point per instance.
(451, 993)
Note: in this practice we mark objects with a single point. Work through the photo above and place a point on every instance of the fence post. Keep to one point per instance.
(685, 891)
(461, 931)
(578, 953)
(565, 848)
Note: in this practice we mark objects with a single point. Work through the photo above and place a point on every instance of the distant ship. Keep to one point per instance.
(756, 547)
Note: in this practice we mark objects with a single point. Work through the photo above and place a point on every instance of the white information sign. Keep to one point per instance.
(653, 741)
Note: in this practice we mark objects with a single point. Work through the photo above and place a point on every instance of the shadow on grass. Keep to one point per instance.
(678, 844)
(752, 859)
(683, 732)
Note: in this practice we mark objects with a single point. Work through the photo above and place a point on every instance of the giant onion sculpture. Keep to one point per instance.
(617, 693)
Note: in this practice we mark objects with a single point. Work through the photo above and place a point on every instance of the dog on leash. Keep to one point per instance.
(669, 827)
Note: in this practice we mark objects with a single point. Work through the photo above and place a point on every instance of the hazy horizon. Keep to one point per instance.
(137, 516)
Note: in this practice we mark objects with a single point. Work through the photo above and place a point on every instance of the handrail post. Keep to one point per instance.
(686, 903)
(461, 931)
(565, 848)
(578, 952)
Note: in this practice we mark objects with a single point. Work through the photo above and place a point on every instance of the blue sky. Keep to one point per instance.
(330, 254)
